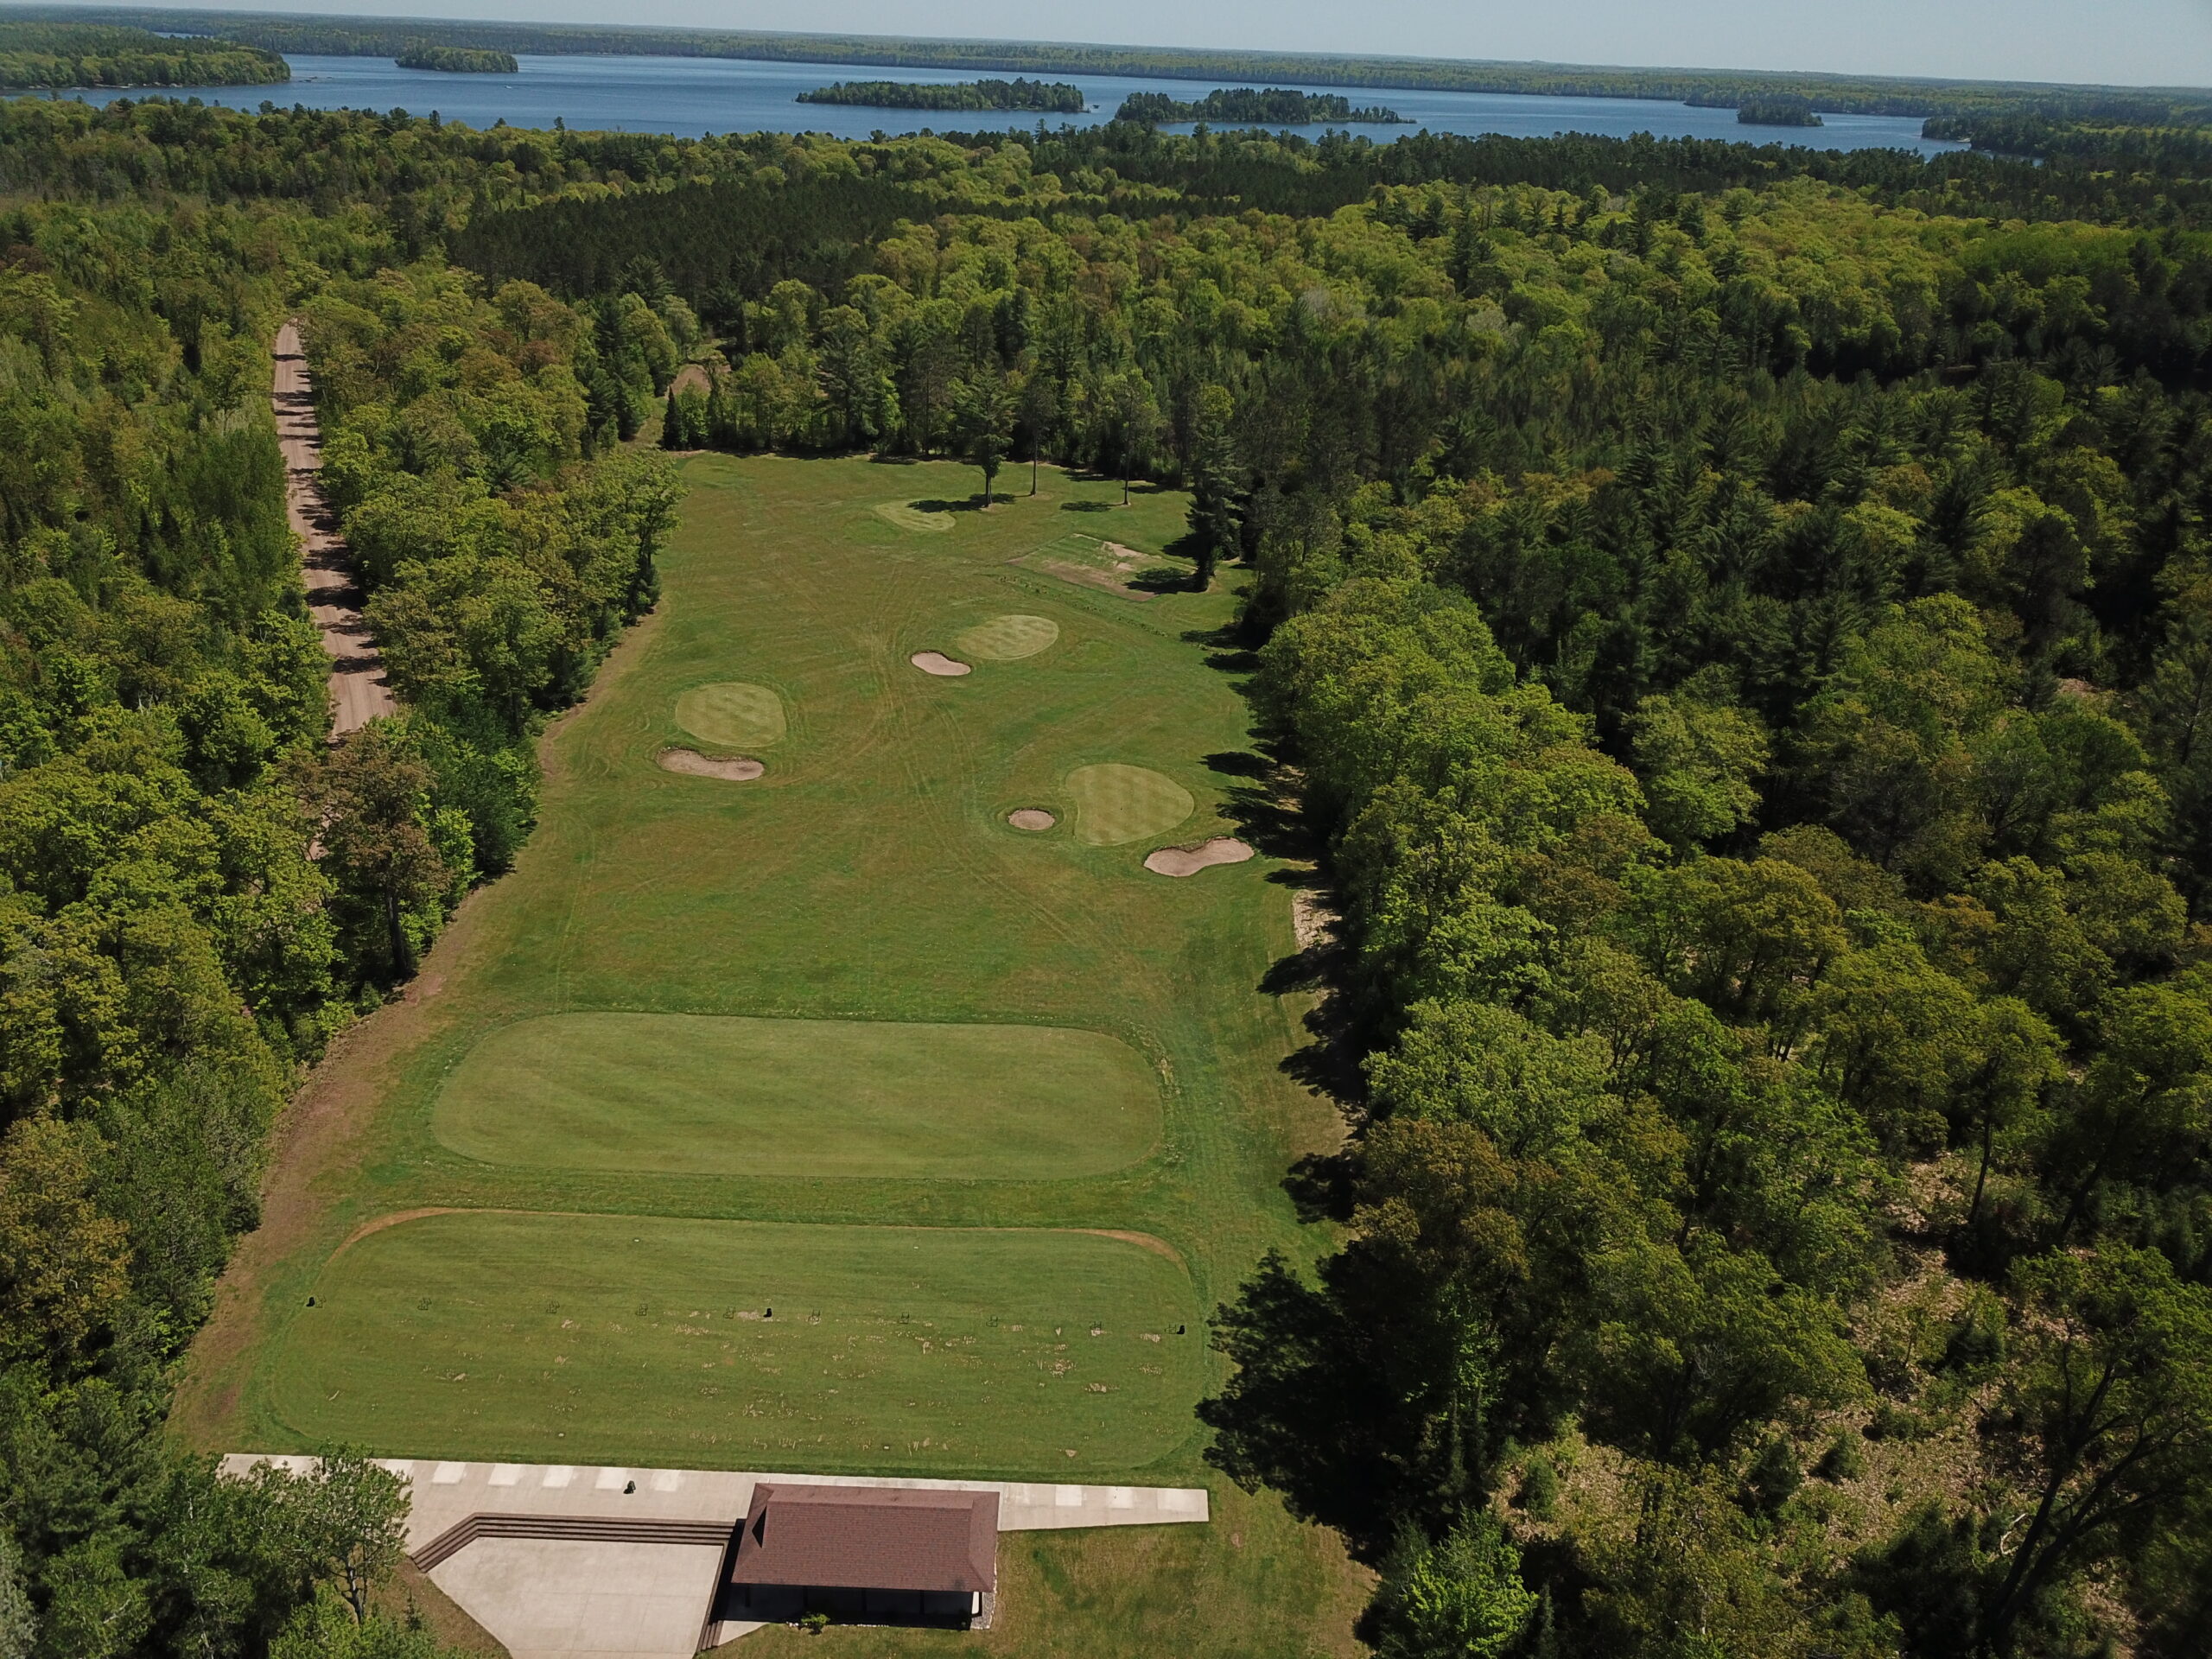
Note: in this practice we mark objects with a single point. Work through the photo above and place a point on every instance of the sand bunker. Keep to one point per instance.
(1189, 860)
(937, 663)
(1009, 639)
(731, 714)
(912, 517)
(734, 769)
(1031, 818)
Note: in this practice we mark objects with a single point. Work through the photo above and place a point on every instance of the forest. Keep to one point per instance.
(1051, 98)
(1732, 625)
(62, 55)
(456, 59)
(1251, 106)
(1846, 94)
(197, 890)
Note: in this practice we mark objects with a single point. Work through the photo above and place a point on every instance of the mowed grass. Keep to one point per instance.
(1009, 639)
(1118, 803)
(732, 714)
(869, 891)
(703, 1093)
(765, 1345)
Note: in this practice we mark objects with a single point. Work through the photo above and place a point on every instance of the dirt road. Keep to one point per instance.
(359, 692)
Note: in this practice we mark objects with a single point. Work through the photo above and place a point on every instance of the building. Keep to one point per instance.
(889, 1554)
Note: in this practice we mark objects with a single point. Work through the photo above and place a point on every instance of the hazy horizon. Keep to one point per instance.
(2139, 43)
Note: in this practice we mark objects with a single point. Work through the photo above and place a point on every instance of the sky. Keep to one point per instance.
(2126, 42)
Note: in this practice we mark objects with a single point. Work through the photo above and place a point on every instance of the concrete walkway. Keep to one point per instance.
(359, 693)
(613, 1598)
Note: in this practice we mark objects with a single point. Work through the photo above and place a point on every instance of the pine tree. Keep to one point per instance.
(1216, 506)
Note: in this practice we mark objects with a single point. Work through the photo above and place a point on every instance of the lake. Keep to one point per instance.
(702, 95)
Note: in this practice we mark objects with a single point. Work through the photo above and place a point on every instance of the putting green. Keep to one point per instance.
(485, 1333)
(1117, 803)
(693, 1094)
(911, 517)
(1008, 639)
(732, 714)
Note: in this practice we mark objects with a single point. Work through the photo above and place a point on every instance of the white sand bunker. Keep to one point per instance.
(1009, 639)
(1031, 818)
(1189, 860)
(937, 663)
(734, 769)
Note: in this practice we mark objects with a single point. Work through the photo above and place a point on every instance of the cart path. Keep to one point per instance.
(359, 691)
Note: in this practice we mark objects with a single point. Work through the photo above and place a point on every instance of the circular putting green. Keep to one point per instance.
(732, 714)
(699, 1344)
(707, 1094)
(1008, 639)
(1115, 803)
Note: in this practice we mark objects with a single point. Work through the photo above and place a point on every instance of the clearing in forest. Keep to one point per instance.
(949, 1096)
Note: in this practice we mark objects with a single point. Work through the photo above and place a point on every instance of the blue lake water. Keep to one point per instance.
(702, 95)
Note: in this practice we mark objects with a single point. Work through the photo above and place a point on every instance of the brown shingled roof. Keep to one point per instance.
(869, 1538)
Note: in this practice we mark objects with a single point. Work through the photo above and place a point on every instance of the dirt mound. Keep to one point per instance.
(734, 769)
(912, 517)
(1189, 860)
(1031, 817)
(937, 663)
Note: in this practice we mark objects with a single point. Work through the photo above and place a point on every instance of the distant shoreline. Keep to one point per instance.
(1890, 95)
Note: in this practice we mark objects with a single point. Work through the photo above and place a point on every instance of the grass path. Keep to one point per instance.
(866, 888)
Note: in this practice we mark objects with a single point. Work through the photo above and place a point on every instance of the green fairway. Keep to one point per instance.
(644, 1339)
(845, 1004)
(731, 713)
(1118, 803)
(692, 1094)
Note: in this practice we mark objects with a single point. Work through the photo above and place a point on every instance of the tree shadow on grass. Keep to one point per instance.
(1228, 651)
(969, 504)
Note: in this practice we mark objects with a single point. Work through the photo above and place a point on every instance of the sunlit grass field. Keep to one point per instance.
(682, 1093)
(843, 1041)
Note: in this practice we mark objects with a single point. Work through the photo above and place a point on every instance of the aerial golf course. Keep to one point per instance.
(831, 1087)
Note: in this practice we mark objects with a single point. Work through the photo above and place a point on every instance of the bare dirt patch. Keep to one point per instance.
(1033, 818)
(735, 769)
(937, 663)
(359, 690)
(1312, 918)
(1189, 860)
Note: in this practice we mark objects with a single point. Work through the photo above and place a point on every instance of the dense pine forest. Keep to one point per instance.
(1732, 626)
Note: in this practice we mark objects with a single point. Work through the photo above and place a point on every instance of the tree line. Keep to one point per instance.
(64, 55)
